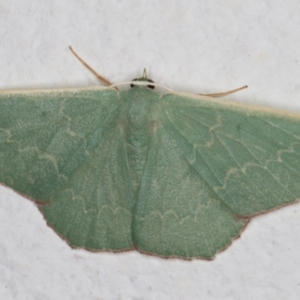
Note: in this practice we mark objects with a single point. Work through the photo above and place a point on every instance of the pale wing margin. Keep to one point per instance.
(51, 143)
(177, 213)
(249, 157)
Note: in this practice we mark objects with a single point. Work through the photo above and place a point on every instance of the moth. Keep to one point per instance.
(169, 174)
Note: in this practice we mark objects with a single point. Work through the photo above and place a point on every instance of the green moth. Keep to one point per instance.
(173, 175)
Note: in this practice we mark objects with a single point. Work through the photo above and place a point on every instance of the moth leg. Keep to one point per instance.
(225, 93)
(99, 77)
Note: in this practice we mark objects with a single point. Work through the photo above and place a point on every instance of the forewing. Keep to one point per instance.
(66, 151)
(249, 156)
(212, 166)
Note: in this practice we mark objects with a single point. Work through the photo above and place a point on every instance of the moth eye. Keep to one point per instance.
(132, 85)
(150, 86)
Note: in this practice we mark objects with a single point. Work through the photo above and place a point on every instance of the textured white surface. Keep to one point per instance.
(193, 46)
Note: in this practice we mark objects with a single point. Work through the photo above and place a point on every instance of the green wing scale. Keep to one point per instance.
(173, 175)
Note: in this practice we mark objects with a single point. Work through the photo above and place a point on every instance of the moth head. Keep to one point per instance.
(144, 78)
